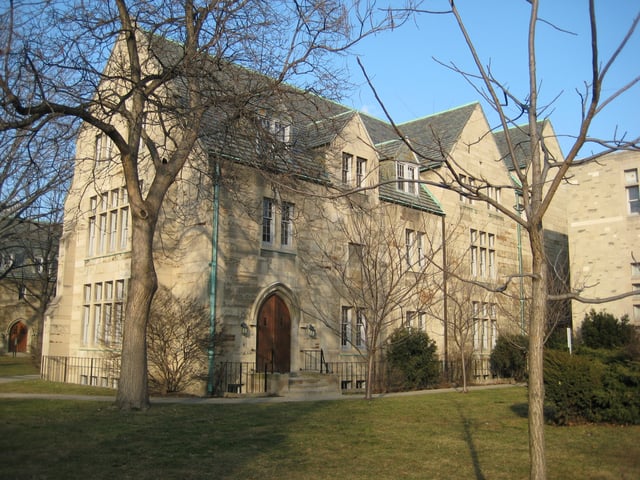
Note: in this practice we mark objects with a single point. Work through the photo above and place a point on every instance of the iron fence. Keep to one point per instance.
(99, 372)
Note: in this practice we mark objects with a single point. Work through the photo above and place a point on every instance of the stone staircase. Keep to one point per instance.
(309, 385)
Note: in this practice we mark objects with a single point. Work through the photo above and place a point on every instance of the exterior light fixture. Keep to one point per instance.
(311, 331)
(245, 329)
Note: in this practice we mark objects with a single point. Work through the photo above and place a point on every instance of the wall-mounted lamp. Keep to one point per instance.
(311, 331)
(244, 329)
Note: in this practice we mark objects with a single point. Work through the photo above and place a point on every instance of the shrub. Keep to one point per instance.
(412, 359)
(509, 357)
(582, 388)
(603, 330)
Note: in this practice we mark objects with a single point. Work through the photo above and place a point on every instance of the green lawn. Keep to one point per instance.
(480, 435)
(10, 366)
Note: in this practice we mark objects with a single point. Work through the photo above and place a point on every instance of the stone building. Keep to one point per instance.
(604, 232)
(310, 231)
(28, 252)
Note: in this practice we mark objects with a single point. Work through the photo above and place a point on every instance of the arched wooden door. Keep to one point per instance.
(274, 336)
(18, 338)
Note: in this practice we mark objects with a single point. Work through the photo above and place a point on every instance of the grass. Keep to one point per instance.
(11, 366)
(481, 435)
(15, 366)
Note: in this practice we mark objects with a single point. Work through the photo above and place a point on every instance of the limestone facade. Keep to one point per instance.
(604, 232)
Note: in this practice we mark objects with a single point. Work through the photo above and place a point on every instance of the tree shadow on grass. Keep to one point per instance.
(468, 438)
(520, 409)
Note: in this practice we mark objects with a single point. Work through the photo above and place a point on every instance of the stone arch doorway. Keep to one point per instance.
(273, 343)
(18, 338)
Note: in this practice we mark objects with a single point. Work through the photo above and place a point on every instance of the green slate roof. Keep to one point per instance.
(520, 140)
(231, 129)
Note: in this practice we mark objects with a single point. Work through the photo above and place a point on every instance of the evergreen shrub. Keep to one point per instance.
(412, 360)
(509, 357)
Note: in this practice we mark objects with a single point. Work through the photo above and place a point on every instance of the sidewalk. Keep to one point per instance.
(234, 400)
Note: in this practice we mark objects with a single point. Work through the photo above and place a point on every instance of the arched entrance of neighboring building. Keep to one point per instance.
(18, 338)
(273, 349)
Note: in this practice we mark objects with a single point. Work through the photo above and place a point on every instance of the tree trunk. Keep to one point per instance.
(464, 372)
(370, 365)
(133, 393)
(537, 317)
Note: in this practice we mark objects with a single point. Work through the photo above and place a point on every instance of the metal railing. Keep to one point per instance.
(99, 372)
(239, 377)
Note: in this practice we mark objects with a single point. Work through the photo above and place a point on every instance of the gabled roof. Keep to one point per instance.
(519, 135)
(231, 127)
(434, 136)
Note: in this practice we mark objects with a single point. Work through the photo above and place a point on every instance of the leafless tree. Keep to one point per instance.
(539, 173)
(382, 280)
(177, 338)
(58, 60)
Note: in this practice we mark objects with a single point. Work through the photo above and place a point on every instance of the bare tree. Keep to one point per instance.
(177, 337)
(384, 277)
(109, 65)
(539, 172)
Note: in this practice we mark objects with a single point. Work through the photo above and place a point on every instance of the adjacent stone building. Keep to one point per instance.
(604, 233)
(28, 253)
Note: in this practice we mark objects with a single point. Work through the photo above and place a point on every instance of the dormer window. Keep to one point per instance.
(407, 176)
(280, 129)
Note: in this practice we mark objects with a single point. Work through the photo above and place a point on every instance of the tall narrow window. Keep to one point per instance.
(267, 220)
(361, 328)
(400, 176)
(420, 249)
(483, 254)
(286, 225)
(633, 190)
(412, 187)
(347, 166)
(361, 171)
(409, 238)
(108, 222)
(345, 327)
(86, 314)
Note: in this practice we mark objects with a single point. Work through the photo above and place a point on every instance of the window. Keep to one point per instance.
(636, 288)
(361, 328)
(633, 190)
(483, 254)
(467, 184)
(407, 176)
(286, 225)
(494, 193)
(108, 230)
(636, 312)
(269, 234)
(485, 327)
(415, 252)
(279, 129)
(103, 313)
(347, 166)
(103, 148)
(347, 328)
(635, 269)
(267, 220)
(361, 171)
(415, 320)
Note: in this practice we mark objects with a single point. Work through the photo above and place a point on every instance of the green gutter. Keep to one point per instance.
(213, 279)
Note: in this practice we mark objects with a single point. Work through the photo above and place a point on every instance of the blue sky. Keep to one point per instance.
(412, 84)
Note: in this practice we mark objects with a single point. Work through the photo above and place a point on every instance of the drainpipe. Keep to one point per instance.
(444, 291)
(213, 279)
(519, 209)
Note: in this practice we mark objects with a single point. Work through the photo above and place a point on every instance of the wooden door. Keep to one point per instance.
(18, 338)
(274, 336)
